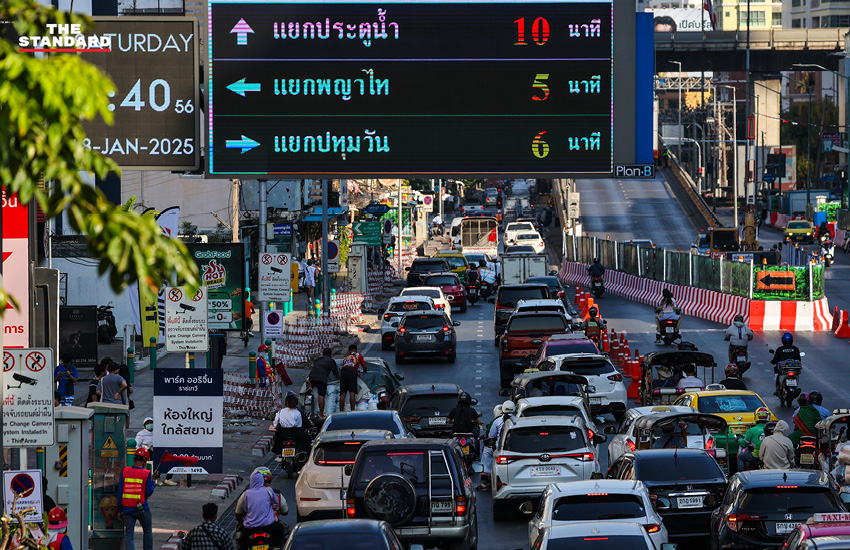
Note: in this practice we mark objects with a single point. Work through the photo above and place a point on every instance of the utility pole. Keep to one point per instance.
(400, 231)
(679, 132)
(749, 176)
(326, 280)
(261, 243)
(734, 150)
(234, 211)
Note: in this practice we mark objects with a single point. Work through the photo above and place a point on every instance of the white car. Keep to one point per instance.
(533, 240)
(610, 391)
(322, 481)
(396, 307)
(441, 303)
(547, 305)
(624, 439)
(562, 405)
(513, 229)
(597, 500)
(533, 452)
(593, 535)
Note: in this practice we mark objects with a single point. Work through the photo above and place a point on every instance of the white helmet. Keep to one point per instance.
(508, 407)
(497, 411)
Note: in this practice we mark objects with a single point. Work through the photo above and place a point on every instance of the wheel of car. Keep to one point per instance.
(452, 358)
(501, 510)
(390, 498)
(385, 345)
(463, 308)
(399, 359)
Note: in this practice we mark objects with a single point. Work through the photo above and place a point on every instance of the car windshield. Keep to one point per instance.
(585, 368)
(429, 404)
(455, 261)
(441, 280)
(550, 388)
(772, 500)
(527, 237)
(519, 227)
(410, 305)
(552, 410)
(423, 322)
(430, 292)
(595, 542)
(428, 265)
(714, 404)
(598, 507)
(355, 421)
(337, 541)
(576, 346)
(410, 464)
(672, 468)
(798, 225)
(703, 241)
(508, 297)
(551, 282)
(544, 439)
(538, 322)
(336, 453)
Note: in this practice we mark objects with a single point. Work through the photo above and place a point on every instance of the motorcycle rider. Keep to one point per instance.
(472, 276)
(751, 441)
(667, 310)
(783, 353)
(508, 410)
(805, 420)
(732, 382)
(595, 270)
(823, 231)
(738, 335)
(594, 324)
(289, 423)
(777, 451)
(816, 399)
(437, 225)
(464, 419)
(259, 511)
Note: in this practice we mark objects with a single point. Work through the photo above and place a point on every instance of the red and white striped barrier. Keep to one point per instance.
(707, 304)
(346, 308)
(242, 398)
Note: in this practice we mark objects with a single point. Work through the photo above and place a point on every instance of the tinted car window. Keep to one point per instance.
(597, 507)
(429, 404)
(551, 410)
(620, 542)
(544, 439)
(798, 225)
(550, 389)
(575, 347)
(431, 293)
(728, 403)
(556, 309)
(508, 297)
(527, 237)
(338, 541)
(520, 248)
(668, 469)
(336, 453)
(587, 367)
(423, 321)
(410, 464)
(773, 501)
(551, 282)
(427, 265)
(363, 422)
(441, 280)
(456, 261)
(410, 306)
(538, 322)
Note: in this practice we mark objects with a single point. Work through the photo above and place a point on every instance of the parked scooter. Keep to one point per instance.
(106, 329)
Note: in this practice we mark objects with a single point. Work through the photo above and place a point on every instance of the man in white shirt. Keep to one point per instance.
(690, 380)
(310, 282)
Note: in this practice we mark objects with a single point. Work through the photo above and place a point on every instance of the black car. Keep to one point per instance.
(762, 506)
(424, 266)
(507, 298)
(556, 287)
(348, 534)
(424, 408)
(421, 487)
(685, 484)
(425, 333)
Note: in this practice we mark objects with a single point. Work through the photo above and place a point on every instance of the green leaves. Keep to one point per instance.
(42, 105)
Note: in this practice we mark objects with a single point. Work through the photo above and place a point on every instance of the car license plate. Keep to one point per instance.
(545, 470)
(260, 547)
(742, 358)
(595, 400)
(289, 452)
(101, 323)
(791, 383)
(690, 502)
(785, 528)
(441, 506)
(807, 459)
(465, 449)
(424, 337)
(437, 421)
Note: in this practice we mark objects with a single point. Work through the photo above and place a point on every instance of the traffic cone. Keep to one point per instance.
(582, 304)
(577, 298)
(605, 342)
(614, 352)
(626, 353)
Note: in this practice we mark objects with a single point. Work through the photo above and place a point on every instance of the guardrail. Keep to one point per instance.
(709, 219)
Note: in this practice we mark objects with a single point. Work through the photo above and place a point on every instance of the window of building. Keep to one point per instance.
(815, 22)
(756, 18)
(776, 21)
(795, 3)
(795, 23)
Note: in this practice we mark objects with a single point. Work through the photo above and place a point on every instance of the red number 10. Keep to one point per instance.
(539, 31)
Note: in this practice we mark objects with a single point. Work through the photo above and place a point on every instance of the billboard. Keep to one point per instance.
(680, 19)
(16, 269)
(78, 334)
(222, 270)
(153, 62)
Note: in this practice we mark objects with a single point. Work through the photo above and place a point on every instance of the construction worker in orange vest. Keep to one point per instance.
(57, 527)
(136, 486)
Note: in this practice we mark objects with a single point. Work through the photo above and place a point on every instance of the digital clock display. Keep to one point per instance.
(398, 88)
(153, 63)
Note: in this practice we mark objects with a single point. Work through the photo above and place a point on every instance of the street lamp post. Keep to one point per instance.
(734, 148)
(808, 141)
(679, 129)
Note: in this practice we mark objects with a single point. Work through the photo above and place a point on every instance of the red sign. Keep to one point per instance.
(16, 272)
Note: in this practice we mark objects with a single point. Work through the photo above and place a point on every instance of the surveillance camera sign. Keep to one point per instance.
(185, 319)
(28, 397)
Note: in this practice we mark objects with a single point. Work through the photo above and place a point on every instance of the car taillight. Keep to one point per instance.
(460, 506)
(590, 434)
(307, 499)
(736, 521)
(349, 509)
(652, 528)
(541, 243)
(560, 294)
(441, 306)
(402, 330)
(412, 419)
(653, 497)
(630, 444)
(446, 328)
(388, 316)
(504, 459)
(616, 377)
(710, 443)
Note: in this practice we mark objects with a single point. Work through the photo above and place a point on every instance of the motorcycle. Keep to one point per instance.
(741, 358)
(261, 538)
(292, 457)
(436, 231)
(472, 293)
(597, 287)
(669, 332)
(469, 445)
(106, 329)
(789, 380)
(827, 248)
(805, 455)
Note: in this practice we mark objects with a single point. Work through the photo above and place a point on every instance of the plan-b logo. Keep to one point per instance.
(63, 38)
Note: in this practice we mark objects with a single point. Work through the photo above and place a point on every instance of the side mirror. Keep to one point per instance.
(477, 467)
(474, 401)
(845, 498)
(610, 430)
(599, 439)
(399, 376)
(504, 392)
(348, 469)
(394, 324)
(526, 508)
(455, 323)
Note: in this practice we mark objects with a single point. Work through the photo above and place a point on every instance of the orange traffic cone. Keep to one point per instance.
(605, 342)
(578, 296)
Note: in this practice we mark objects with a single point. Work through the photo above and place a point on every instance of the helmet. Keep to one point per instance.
(263, 347)
(267, 474)
(508, 407)
(768, 428)
(142, 452)
(57, 518)
(762, 414)
(803, 399)
(731, 370)
(596, 260)
(482, 263)
(738, 319)
(593, 311)
(787, 339)
(464, 399)
(497, 411)
(815, 398)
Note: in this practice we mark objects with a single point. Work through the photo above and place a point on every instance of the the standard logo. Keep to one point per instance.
(65, 38)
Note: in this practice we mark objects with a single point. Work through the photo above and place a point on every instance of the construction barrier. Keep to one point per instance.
(346, 308)
(842, 325)
(305, 339)
(243, 398)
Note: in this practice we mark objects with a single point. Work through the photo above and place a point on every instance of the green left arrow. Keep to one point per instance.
(240, 87)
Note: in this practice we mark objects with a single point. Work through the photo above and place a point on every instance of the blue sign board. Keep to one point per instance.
(829, 178)
(282, 229)
(769, 177)
(377, 209)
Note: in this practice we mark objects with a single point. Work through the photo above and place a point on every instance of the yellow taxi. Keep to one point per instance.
(736, 407)
(457, 263)
(799, 231)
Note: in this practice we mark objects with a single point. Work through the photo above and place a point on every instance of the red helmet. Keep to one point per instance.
(57, 518)
(762, 414)
(731, 370)
(263, 347)
(143, 452)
